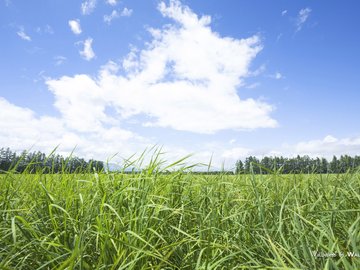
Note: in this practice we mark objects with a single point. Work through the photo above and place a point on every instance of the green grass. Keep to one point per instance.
(178, 221)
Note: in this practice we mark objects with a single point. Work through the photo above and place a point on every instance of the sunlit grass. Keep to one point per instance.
(151, 220)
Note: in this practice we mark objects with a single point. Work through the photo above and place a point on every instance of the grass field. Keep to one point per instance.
(179, 221)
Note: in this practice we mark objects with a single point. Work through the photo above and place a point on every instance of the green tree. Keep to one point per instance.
(239, 167)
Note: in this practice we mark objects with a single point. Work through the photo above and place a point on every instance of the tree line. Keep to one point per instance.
(299, 164)
(33, 162)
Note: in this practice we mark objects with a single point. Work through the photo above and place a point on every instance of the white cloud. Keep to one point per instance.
(21, 33)
(223, 154)
(302, 17)
(277, 76)
(115, 14)
(257, 71)
(236, 153)
(329, 146)
(75, 26)
(330, 139)
(326, 147)
(21, 128)
(126, 12)
(216, 153)
(253, 85)
(284, 12)
(108, 18)
(130, 63)
(87, 53)
(88, 6)
(80, 102)
(47, 29)
(59, 60)
(178, 81)
(112, 2)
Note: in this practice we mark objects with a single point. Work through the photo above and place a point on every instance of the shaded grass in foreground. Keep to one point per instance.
(178, 221)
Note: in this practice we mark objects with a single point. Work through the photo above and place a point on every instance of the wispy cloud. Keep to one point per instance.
(116, 14)
(108, 18)
(302, 18)
(277, 76)
(88, 6)
(75, 26)
(87, 52)
(21, 33)
(47, 29)
(253, 85)
(112, 2)
(59, 60)
(126, 12)
(326, 147)
(284, 12)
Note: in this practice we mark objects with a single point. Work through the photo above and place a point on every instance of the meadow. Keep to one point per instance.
(179, 220)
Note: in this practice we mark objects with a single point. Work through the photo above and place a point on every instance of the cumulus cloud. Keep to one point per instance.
(178, 81)
(80, 101)
(21, 128)
(21, 33)
(87, 52)
(88, 6)
(302, 18)
(75, 26)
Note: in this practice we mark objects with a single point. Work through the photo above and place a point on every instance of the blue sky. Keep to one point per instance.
(222, 78)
